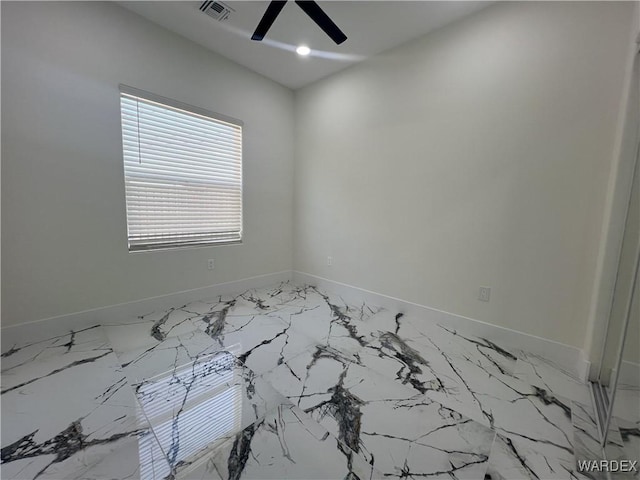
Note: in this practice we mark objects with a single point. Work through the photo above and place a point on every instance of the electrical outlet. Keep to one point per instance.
(329, 261)
(210, 264)
(485, 294)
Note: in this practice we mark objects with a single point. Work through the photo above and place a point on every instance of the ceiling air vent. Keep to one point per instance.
(217, 10)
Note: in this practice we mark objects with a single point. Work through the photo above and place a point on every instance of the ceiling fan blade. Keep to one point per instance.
(270, 15)
(314, 11)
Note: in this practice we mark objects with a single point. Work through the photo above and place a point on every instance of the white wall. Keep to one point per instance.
(64, 244)
(631, 352)
(615, 210)
(476, 155)
(624, 291)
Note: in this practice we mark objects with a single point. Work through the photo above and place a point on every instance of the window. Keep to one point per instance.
(182, 171)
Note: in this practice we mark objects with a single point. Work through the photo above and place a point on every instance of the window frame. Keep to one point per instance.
(193, 110)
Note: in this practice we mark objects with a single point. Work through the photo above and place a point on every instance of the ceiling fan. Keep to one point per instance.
(309, 7)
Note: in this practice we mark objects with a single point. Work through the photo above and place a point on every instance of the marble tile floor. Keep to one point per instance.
(287, 382)
(623, 442)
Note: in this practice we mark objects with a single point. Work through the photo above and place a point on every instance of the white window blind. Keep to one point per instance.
(183, 173)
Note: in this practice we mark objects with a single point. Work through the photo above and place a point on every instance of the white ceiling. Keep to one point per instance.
(371, 27)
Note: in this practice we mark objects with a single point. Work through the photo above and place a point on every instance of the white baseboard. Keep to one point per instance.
(570, 358)
(583, 367)
(49, 327)
(567, 356)
(629, 373)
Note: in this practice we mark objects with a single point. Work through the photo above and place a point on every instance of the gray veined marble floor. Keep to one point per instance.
(286, 382)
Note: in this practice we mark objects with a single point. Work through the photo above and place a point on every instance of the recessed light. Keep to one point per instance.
(303, 50)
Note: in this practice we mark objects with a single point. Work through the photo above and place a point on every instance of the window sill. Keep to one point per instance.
(164, 248)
